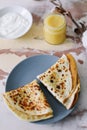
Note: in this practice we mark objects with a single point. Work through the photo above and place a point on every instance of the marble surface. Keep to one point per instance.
(14, 51)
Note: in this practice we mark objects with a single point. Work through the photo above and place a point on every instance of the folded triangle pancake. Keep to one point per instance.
(28, 102)
(62, 80)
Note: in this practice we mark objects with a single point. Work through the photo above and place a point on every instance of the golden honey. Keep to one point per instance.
(55, 28)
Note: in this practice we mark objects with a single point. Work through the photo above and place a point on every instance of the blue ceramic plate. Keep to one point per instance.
(26, 71)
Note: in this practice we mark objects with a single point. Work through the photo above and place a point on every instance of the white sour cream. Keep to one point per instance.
(12, 24)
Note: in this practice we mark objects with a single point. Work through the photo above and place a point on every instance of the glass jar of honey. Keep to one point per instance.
(55, 28)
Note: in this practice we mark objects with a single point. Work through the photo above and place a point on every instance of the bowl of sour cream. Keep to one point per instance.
(15, 21)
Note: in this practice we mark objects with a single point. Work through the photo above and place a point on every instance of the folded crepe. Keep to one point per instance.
(62, 80)
(28, 102)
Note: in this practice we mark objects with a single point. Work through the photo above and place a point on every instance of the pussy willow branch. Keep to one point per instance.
(59, 8)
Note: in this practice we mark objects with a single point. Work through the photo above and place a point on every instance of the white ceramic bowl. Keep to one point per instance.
(24, 25)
